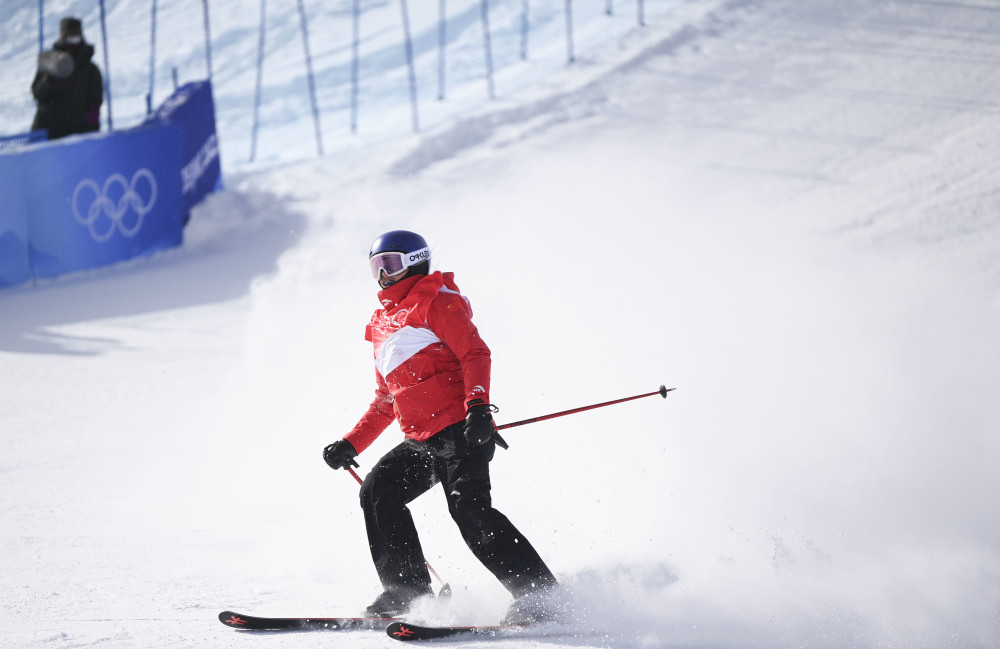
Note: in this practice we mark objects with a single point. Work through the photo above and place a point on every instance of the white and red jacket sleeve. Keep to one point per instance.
(376, 419)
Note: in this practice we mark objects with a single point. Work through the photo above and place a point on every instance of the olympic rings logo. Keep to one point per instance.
(103, 209)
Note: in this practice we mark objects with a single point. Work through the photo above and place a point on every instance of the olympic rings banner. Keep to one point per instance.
(105, 200)
(15, 264)
(192, 105)
(95, 200)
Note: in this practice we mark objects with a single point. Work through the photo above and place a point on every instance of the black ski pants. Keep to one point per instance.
(413, 468)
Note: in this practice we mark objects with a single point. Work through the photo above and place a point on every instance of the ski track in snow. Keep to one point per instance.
(784, 209)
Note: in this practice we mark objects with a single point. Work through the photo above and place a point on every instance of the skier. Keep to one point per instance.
(433, 377)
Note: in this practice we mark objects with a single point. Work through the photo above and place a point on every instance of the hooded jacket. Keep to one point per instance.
(72, 103)
(429, 360)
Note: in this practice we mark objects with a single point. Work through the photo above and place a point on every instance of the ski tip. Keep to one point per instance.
(400, 631)
(234, 620)
(408, 632)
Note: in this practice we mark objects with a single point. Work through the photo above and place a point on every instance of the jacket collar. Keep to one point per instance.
(392, 296)
(418, 287)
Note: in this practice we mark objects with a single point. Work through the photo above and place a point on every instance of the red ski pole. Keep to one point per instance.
(662, 392)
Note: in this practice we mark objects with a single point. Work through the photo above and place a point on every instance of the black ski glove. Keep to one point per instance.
(340, 455)
(478, 423)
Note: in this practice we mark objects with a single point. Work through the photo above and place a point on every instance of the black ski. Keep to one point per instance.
(406, 632)
(256, 623)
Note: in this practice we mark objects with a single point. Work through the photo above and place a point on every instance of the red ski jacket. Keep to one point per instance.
(429, 360)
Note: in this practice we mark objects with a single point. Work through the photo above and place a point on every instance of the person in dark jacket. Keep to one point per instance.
(68, 87)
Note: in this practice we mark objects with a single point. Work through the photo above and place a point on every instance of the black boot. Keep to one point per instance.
(395, 601)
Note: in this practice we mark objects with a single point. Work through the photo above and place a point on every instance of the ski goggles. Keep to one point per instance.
(394, 263)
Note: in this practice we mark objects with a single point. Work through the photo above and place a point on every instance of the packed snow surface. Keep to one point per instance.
(785, 209)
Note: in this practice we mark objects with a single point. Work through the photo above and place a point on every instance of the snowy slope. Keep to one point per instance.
(784, 209)
(286, 129)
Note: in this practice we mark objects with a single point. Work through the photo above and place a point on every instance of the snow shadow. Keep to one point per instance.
(234, 238)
